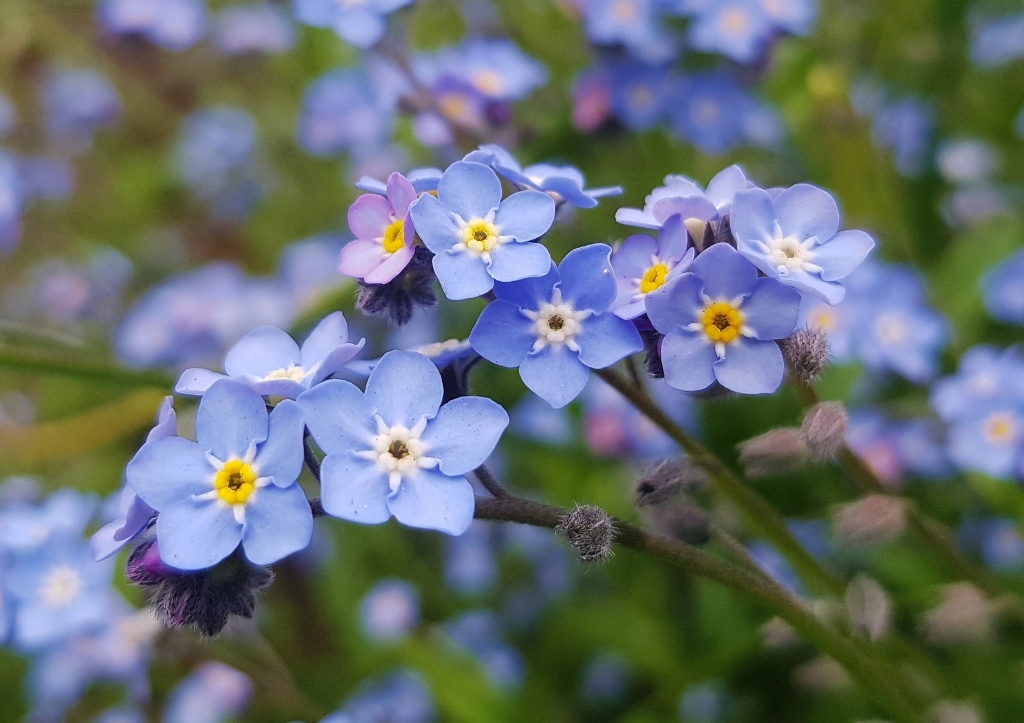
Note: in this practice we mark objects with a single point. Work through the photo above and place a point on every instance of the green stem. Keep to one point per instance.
(62, 364)
(759, 513)
(880, 683)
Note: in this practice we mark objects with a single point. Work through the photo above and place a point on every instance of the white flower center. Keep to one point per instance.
(788, 254)
(293, 372)
(399, 452)
(61, 587)
(891, 329)
(439, 347)
(556, 323)
(479, 236)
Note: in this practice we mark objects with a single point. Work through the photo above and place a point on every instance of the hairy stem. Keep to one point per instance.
(490, 482)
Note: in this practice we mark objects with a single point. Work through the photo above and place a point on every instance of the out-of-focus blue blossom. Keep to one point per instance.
(794, 237)
(591, 99)
(237, 485)
(713, 112)
(906, 127)
(562, 183)
(967, 160)
(605, 680)
(638, 93)
(256, 28)
(792, 16)
(976, 203)
(643, 264)
(470, 561)
(635, 24)
(738, 29)
(77, 104)
(480, 633)
(720, 323)
(814, 535)
(269, 361)
(894, 449)
(423, 180)
(777, 567)
(613, 427)
(706, 702)
(212, 693)
(1003, 289)
(998, 42)
(352, 109)
(359, 22)
(390, 610)
(496, 67)
(684, 197)
(308, 267)
(1002, 546)
(8, 115)
(171, 24)
(535, 419)
(477, 237)
(402, 697)
(557, 328)
(986, 376)
(45, 178)
(121, 715)
(11, 202)
(395, 451)
(26, 526)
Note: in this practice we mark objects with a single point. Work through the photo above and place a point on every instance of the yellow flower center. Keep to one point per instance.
(480, 235)
(488, 82)
(999, 428)
(394, 237)
(235, 482)
(722, 322)
(654, 278)
(734, 21)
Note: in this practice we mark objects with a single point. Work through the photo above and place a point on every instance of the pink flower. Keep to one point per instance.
(383, 245)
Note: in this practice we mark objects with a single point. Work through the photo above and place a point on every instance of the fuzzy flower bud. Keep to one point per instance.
(824, 430)
(869, 607)
(964, 616)
(779, 450)
(667, 478)
(396, 300)
(806, 353)
(591, 531)
(876, 519)
(689, 523)
(822, 675)
(652, 353)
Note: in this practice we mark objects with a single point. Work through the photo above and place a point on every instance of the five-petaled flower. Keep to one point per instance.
(557, 328)
(393, 450)
(384, 232)
(270, 362)
(236, 485)
(792, 237)
(477, 237)
(643, 265)
(719, 321)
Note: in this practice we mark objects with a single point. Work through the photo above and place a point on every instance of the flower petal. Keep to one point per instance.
(404, 387)
(401, 193)
(328, 335)
(359, 257)
(724, 187)
(278, 523)
(335, 361)
(525, 215)
(360, 27)
(197, 534)
(804, 210)
(338, 416)
(724, 272)
(676, 303)
(231, 418)
(751, 367)
(752, 219)
(369, 216)
(469, 189)
(464, 433)
(674, 239)
(354, 489)
(531, 292)
(435, 226)
(771, 310)
(588, 281)
(555, 374)
(605, 339)
(685, 206)
(390, 267)
(281, 455)
(195, 382)
(515, 261)
(433, 501)
(632, 259)
(503, 334)
(462, 276)
(843, 253)
(688, 359)
(261, 351)
(168, 470)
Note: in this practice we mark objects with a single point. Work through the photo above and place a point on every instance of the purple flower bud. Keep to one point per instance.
(824, 430)
(779, 450)
(869, 607)
(396, 300)
(964, 616)
(806, 352)
(876, 519)
(145, 567)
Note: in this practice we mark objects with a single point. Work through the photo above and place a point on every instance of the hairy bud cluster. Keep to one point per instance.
(779, 450)
(806, 352)
(591, 531)
(824, 430)
(395, 301)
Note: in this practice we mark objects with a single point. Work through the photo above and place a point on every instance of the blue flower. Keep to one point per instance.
(792, 237)
(360, 23)
(390, 610)
(720, 321)
(212, 692)
(77, 103)
(557, 328)
(643, 265)
(171, 24)
(496, 67)
(477, 237)
(986, 375)
(712, 111)
(738, 29)
(638, 93)
(236, 485)
(268, 360)
(256, 28)
(633, 23)
(792, 16)
(402, 696)
(1003, 288)
(906, 127)
(395, 451)
(998, 42)
(989, 440)
(684, 197)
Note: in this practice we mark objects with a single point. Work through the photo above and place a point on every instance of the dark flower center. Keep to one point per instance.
(721, 321)
(555, 322)
(480, 235)
(398, 449)
(235, 481)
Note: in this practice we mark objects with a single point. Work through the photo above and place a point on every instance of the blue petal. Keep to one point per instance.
(317, 13)
(751, 367)
(464, 433)
(555, 374)
(531, 292)
(336, 361)
(167, 421)
(674, 239)
(328, 335)
(515, 261)
(588, 281)
(197, 534)
(278, 522)
(434, 225)
(725, 185)
(469, 189)
(752, 219)
(771, 310)
(360, 27)
(843, 253)
(605, 339)
(287, 388)
(686, 207)
(281, 455)
(570, 190)
(804, 210)
(195, 382)
(502, 334)
(831, 292)
(168, 470)
(231, 418)
(354, 489)
(434, 501)
(632, 259)
(261, 351)
(404, 387)
(724, 272)
(462, 276)
(675, 304)
(689, 360)
(526, 215)
(338, 416)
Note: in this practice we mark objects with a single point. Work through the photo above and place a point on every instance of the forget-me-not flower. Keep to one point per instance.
(268, 360)
(256, 28)
(643, 265)
(793, 238)
(738, 29)
(720, 321)
(557, 327)
(684, 197)
(393, 450)
(1003, 289)
(384, 232)
(477, 237)
(359, 22)
(236, 485)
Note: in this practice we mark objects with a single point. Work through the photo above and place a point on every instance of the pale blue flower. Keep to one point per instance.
(359, 22)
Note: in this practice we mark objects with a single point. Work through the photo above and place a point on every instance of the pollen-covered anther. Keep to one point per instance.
(654, 278)
(394, 237)
(235, 481)
(480, 236)
(790, 254)
(399, 451)
(293, 372)
(722, 324)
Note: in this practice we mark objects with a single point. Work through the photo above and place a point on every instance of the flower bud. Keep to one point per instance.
(876, 519)
(964, 616)
(689, 523)
(869, 607)
(779, 450)
(822, 675)
(824, 430)
(777, 633)
(947, 711)
(396, 300)
(652, 352)
(806, 353)
(591, 531)
(667, 478)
